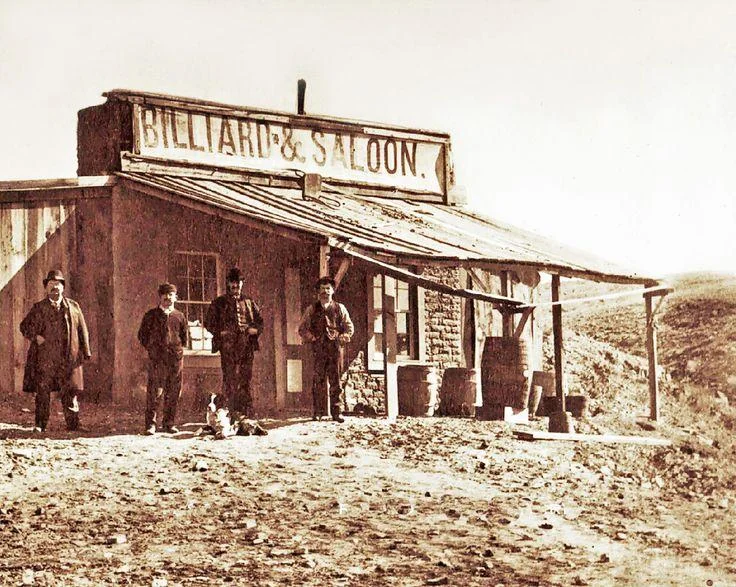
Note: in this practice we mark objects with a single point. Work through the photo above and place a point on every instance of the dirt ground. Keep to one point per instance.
(434, 501)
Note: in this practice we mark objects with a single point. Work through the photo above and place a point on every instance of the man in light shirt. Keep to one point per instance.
(164, 334)
(327, 326)
(59, 344)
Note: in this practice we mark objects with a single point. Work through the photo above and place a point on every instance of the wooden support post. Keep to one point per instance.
(652, 358)
(342, 270)
(522, 321)
(557, 334)
(390, 368)
(324, 260)
(506, 317)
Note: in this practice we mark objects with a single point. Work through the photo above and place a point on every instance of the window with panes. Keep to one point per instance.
(195, 277)
(405, 309)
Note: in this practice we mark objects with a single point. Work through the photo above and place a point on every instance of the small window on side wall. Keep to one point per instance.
(195, 275)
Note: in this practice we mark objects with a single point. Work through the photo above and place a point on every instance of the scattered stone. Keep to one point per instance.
(249, 523)
(116, 539)
(437, 581)
(604, 558)
(646, 425)
(23, 454)
(28, 577)
(620, 536)
(200, 466)
(546, 526)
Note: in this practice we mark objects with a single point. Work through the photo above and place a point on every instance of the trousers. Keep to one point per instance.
(56, 380)
(164, 382)
(237, 371)
(327, 363)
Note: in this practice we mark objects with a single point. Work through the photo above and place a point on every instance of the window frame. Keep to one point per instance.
(374, 358)
(182, 304)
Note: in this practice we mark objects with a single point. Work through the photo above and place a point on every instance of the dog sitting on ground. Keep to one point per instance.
(223, 425)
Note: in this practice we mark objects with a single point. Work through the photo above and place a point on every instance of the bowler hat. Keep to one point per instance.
(55, 275)
(326, 280)
(166, 288)
(234, 275)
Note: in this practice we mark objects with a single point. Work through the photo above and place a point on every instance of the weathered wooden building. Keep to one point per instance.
(175, 189)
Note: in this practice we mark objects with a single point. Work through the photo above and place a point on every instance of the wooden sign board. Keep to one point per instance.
(401, 159)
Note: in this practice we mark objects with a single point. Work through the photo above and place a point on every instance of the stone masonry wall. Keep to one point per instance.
(442, 319)
(363, 391)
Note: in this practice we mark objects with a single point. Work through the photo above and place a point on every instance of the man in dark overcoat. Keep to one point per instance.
(164, 333)
(327, 326)
(235, 322)
(59, 344)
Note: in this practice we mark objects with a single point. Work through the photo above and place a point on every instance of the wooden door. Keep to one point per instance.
(297, 357)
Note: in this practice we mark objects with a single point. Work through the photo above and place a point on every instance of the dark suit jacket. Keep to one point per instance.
(153, 334)
(222, 317)
(78, 350)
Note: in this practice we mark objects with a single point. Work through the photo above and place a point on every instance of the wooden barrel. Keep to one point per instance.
(545, 380)
(577, 405)
(535, 398)
(505, 372)
(417, 389)
(458, 392)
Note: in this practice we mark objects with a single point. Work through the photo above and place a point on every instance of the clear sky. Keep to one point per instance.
(609, 125)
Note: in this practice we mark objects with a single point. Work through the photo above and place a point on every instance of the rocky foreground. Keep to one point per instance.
(415, 502)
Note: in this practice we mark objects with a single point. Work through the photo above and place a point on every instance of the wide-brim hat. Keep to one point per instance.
(234, 275)
(54, 275)
(326, 280)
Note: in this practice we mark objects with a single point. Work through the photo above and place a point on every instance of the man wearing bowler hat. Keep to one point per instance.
(163, 333)
(327, 326)
(235, 322)
(59, 344)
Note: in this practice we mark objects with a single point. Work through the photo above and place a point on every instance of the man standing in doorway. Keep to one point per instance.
(59, 344)
(235, 322)
(327, 325)
(164, 333)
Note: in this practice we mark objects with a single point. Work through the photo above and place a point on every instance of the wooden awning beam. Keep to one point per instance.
(424, 282)
(657, 290)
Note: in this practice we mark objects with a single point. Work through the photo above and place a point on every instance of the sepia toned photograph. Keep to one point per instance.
(367, 294)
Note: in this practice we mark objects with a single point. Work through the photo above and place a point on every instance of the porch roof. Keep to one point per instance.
(392, 229)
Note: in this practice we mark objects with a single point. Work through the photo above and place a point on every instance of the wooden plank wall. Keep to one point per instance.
(35, 237)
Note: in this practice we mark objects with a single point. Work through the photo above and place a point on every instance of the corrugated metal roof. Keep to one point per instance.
(401, 228)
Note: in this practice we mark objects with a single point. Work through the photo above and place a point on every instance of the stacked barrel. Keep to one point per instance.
(505, 374)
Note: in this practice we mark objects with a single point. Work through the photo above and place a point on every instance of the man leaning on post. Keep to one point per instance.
(327, 326)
